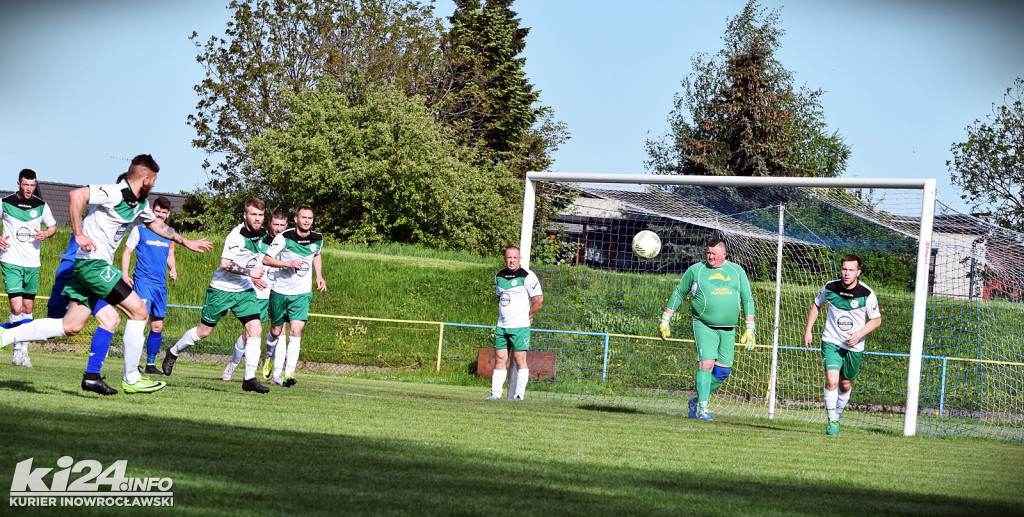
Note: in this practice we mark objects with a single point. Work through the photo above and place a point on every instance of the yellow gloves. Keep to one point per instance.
(748, 336)
(663, 326)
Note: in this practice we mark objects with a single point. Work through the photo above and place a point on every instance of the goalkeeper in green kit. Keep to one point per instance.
(718, 290)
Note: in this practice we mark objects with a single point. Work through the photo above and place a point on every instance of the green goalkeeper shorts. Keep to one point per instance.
(714, 343)
(835, 357)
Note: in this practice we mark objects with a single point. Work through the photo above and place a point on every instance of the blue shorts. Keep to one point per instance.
(154, 296)
(57, 305)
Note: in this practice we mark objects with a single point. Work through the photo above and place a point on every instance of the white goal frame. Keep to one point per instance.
(927, 186)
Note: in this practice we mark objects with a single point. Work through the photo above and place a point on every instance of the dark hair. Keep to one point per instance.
(26, 174)
(715, 242)
(162, 202)
(122, 177)
(279, 214)
(256, 203)
(144, 160)
(850, 258)
(301, 208)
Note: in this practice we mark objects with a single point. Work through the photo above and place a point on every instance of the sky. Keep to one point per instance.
(87, 85)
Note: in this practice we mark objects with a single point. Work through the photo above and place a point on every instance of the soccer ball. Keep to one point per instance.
(646, 244)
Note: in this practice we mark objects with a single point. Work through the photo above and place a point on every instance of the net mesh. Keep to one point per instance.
(604, 302)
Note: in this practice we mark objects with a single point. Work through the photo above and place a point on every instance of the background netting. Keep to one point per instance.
(602, 303)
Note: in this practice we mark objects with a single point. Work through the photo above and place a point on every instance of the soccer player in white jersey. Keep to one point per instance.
(23, 214)
(278, 224)
(293, 290)
(519, 299)
(232, 288)
(852, 314)
(115, 209)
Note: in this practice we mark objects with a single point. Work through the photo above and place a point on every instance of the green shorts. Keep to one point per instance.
(20, 280)
(289, 307)
(218, 303)
(835, 357)
(714, 343)
(264, 304)
(518, 339)
(91, 281)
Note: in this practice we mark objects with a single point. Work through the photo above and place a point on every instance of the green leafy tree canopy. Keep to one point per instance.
(387, 170)
(989, 165)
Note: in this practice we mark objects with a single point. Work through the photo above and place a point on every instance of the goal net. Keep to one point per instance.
(958, 370)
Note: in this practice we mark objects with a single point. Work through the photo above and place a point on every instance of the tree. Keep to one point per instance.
(275, 46)
(989, 165)
(490, 103)
(739, 113)
(387, 169)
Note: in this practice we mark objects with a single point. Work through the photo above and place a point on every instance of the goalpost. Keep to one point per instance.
(602, 304)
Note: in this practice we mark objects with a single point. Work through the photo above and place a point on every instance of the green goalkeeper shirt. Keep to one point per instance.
(717, 294)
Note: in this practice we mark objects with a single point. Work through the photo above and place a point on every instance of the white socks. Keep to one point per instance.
(252, 356)
(522, 377)
(35, 330)
(498, 382)
(188, 339)
(292, 355)
(272, 345)
(236, 356)
(134, 338)
(841, 402)
(830, 404)
(279, 359)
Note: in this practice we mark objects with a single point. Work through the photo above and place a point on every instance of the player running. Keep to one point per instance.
(293, 290)
(278, 224)
(232, 289)
(115, 209)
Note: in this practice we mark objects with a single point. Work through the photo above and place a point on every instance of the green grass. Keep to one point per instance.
(341, 445)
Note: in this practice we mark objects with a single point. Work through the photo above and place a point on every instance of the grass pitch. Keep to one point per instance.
(337, 445)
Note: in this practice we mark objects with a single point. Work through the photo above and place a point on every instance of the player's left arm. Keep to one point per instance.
(318, 267)
(172, 263)
(160, 228)
(49, 222)
(874, 321)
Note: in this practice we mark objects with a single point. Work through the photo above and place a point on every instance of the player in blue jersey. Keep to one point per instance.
(153, 263)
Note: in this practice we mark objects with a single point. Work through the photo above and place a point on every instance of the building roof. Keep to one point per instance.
(56, 195)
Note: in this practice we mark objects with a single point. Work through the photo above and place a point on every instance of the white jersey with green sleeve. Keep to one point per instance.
(115, 210)
(268, 272)
(514, 290)
(22, 219)
(848, 311)
(243, 247)
(288, 246)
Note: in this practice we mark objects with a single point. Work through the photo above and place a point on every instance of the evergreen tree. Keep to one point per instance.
(491, 103)
(739, 113)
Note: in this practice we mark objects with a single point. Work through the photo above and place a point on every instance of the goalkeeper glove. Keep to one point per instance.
(663, 326)
(748, 336)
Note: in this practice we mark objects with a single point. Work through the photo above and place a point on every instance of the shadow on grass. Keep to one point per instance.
(220, 468)
(611, 409)
(25, 386)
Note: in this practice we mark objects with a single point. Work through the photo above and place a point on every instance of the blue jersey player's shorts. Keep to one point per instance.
(154, 296)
